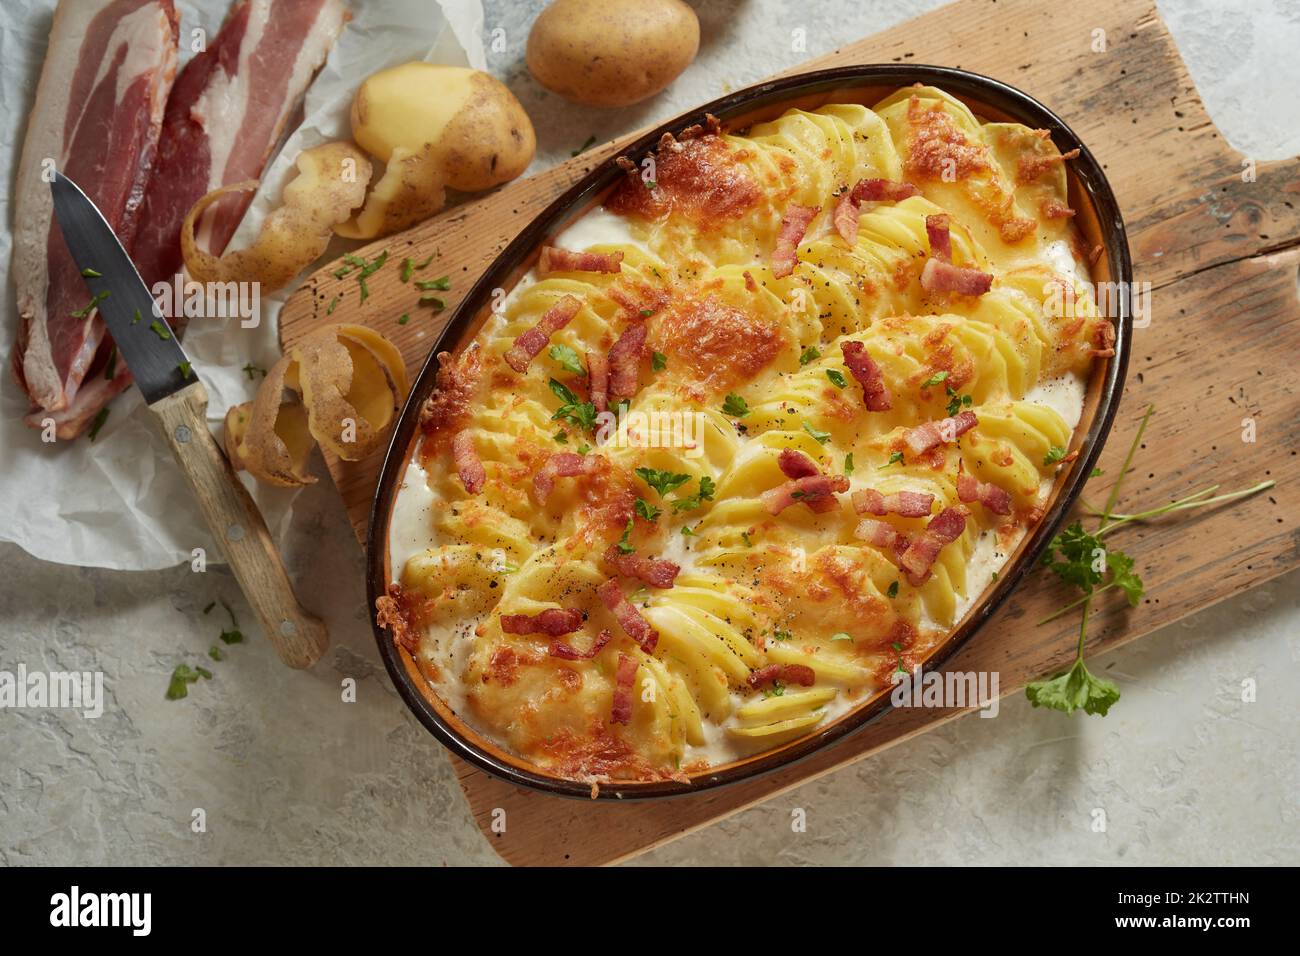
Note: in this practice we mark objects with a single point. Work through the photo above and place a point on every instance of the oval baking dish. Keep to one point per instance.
(1098, 220)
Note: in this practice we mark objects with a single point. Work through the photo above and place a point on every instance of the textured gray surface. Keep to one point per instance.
(287, 772)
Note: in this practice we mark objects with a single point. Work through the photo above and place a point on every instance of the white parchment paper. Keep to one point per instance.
(120, 501)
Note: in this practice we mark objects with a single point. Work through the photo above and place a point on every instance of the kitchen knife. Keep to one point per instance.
(179, 403)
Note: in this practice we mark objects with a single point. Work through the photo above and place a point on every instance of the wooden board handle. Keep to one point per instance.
(300, 638)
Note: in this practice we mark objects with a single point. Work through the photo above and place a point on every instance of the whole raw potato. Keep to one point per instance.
(612, 52)
(481, 136)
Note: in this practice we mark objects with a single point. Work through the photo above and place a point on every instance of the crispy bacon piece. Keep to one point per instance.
(1105, 340)
(528, 345)
(628, 617)
(625, 361)
(793, 226)
(565, 464)
(396, 611)
(554, 621)
(866, 190)
(598, 376)
(875, 393)
(457, 378)
(940, 276)
(940, 236)
(468, 467)
(553, 259)
(906, 504)
(944, 528)
(800, 674)
(570, 653)
(624, 679)
(881, 534)
(653, 571)
(923, 437)
(816, 491)
(970, 488)
(795, 464)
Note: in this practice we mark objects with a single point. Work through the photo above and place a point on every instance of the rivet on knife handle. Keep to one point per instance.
(299, 637)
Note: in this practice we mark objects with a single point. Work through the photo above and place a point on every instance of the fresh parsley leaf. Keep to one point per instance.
(581, 414)
(216, 653)
(687, 532)
(781, 635)
(1054, 454)
(658, 361)
(434, 285)
(159, 330)
(735, 406)
(1072, 556)
(820, 436)
(232, 636)
(894, 459)
(841, 636)
(583, 449)
(623, 544)
(690, 503)
(562, 392)
(1096, 473)
(334, 304)
(893, 589)
(935, 379)
(562, 437)
(662, 481)
(1123, 576)
(89, 273)
(567, 359)
(957, 402)
(848, 465)
(811, 354)
(646, 510)
(1074, 689)
(837, 377)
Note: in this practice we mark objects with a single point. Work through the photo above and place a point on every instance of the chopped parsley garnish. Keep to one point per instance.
(646, 510)
(893, 589)
(334, 304)
(433, 300)
(820, 436)
(89, 273)
(372, 267)
(662, 481)
(1054, 454)
(591, 141)
(646, 313)
(848, 465)
(583, 449)
(434, 285)
(159, 330)
(811, 354)
(110, 367)
(658, 361)
(98, 422)
(837, 377)
(581, 414)
(688, 533)
(957, 402)
(935, 379)
(744, 536)
(135, 318)
(408, 266)
(425, 263)
(97, 298)
(216, 653)
(182, 677)
(185, 368)
(567, 359)
(735, 406)
(705, 493)
(841, 636)
(562, 437)
(894, 459)
(405, 317)
(623, 544)
(365, 289)
(1096, 473)
(781, 635)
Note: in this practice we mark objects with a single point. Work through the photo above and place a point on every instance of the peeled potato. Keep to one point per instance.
(612, 52)
(331, 182)
(479, 135)
(412, 189)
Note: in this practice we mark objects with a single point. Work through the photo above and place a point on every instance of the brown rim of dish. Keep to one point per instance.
(989, 99)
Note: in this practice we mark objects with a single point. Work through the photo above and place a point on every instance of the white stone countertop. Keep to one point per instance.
(286, 772)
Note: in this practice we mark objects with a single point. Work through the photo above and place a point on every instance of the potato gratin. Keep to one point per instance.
(750, 438)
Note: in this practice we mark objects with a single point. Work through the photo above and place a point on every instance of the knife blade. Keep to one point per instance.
(144, 338)
(178, 402)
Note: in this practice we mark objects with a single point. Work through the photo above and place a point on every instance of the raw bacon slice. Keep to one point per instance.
(624, 679)
(970, 488)
(875, 393)
(563, 260)
(570, 653)
(528, 345)
(653, 571)
(555, 621)
(944, 528)
(867, 190)
(468, 466)
(628, 617)
(922, 438)
(905, 504)
(937, 231)
(226, 117)
(795, 464)
(793, 226)
(97, 116)
(566, 464)
(939, 276)
(800, 674)
(816, 491)
(598, 375)
(625, 361)
(881, 534)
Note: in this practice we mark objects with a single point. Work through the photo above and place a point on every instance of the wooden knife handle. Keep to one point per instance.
(300, 638)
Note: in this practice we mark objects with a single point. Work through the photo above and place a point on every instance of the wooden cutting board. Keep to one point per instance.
(1220, 247)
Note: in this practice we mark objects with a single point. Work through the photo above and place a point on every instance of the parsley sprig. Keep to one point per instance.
(572, 410)
(1081, 559)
